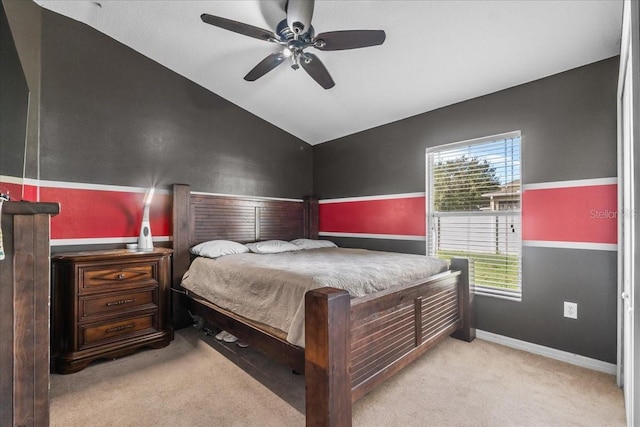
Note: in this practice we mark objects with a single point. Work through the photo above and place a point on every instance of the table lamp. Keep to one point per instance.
(145, 241)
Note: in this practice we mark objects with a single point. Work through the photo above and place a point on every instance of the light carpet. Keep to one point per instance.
(198, 381)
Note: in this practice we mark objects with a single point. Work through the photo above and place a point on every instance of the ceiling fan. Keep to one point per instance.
(294, 34)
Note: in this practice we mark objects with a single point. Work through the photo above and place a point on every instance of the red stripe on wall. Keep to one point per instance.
(14, 190)
(17, 192)
(104, 214)
(568, 214)
(571, 214)
(30, 193)
(401, 216)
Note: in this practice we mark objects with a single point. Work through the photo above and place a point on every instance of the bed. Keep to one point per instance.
(350, 344)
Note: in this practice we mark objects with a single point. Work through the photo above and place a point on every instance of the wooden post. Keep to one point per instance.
(417, 313)
(327, 348)
(181, 257)
(24, 313)
(311, 217)
(467, 304)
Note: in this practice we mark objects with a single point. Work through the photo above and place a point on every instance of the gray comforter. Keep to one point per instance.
(270, 288)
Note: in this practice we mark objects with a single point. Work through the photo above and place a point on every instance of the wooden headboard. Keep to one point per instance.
(199, 217)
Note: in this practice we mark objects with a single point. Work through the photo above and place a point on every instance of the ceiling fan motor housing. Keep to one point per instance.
(299, 14)
(287, 33)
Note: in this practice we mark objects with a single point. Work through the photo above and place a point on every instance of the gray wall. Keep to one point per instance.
(22, 22)
(568, 125)
(112, 116)
(13, 104)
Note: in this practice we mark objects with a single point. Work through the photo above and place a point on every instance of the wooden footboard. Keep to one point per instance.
(354, 345)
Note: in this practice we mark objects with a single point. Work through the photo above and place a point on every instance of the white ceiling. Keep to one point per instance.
(436, 53)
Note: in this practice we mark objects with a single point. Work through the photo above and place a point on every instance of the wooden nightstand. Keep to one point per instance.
(107, 304)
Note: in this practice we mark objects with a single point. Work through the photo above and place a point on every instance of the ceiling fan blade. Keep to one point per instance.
(316, 69)
(299, 14)
(238, 27)
(349, 39)
(264, 66)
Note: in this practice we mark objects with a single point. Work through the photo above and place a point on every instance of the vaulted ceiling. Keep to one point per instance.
(436, 53)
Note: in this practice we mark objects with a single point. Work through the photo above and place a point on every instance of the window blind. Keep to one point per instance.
(473, 210)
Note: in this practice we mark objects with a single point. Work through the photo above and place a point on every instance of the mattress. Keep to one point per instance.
(270, 288)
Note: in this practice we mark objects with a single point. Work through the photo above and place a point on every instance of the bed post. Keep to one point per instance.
(468, 330)
(327, 347)
(181, 257)
(311, 217)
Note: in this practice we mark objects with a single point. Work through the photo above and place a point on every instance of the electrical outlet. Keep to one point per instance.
(571, 310)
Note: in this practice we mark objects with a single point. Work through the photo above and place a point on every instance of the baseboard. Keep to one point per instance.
(552, 353)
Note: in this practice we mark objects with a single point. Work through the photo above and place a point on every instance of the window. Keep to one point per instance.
(473, 210)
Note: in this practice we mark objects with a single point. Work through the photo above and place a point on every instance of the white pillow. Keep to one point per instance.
(313, 244)
(272, 247)
(218, 248)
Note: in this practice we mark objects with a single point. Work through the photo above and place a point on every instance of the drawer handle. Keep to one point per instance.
(120, 328)
(120, 302)
(121, 276)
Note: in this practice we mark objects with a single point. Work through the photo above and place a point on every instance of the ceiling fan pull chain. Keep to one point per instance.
(294, 59)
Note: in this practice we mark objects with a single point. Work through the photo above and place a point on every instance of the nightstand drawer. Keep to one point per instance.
(117, 330)
(117, 275)
(117, 303)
